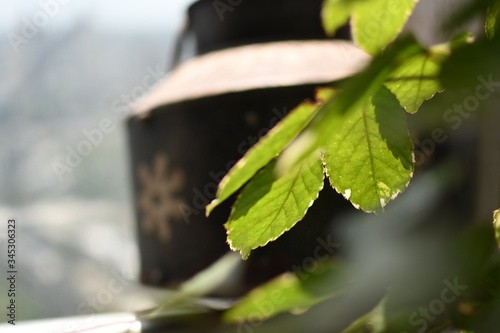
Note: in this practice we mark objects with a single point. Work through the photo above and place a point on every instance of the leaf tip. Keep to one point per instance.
(244, 254)
(211, 206)
(324, 94)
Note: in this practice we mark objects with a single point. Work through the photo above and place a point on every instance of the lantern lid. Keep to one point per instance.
(257, 66)
(220, 24)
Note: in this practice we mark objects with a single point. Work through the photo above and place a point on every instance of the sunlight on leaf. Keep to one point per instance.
(417, 80)
(353, 95)
(369, 157)
(267, 207)
(375, 23)
(267, 148)
(335, 14)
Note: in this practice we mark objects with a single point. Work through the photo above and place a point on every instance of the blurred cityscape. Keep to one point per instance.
(66, 69)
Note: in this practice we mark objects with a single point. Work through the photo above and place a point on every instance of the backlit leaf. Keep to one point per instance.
(335, 14)
(351, 97)
(375, 23)
(267, 148)
(417, 80)
(369, 157)
(267, 207)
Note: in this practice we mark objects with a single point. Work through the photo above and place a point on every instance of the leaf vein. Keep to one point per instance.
(370, 153)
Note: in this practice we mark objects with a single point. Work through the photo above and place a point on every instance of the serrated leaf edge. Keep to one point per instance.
(429, 56)
(246, 255)
(383, 203)
(317, 102)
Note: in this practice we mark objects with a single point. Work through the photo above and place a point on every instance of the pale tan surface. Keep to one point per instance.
(257, 66)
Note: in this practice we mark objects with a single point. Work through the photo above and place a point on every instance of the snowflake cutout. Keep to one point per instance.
(157, 198)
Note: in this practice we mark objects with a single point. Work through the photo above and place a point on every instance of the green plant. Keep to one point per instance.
(356, 135)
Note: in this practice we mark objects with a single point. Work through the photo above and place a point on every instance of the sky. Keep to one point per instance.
(108, 14)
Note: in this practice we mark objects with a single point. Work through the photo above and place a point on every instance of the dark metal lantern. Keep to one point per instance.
(187, 133)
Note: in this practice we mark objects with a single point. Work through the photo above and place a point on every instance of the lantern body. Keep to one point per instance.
(188, 132)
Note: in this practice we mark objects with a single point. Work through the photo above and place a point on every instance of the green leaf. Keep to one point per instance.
(361, 325)
(352, 96)
(279, 295)
(417, 80)
(335, 14)
(267, 207)
(267, 148)
(375, 23)
(496, 224)
(287, 293)
(369, 157)
(492, 18)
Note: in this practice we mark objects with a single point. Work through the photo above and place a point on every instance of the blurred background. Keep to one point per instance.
(70, 71)
(65, 66)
